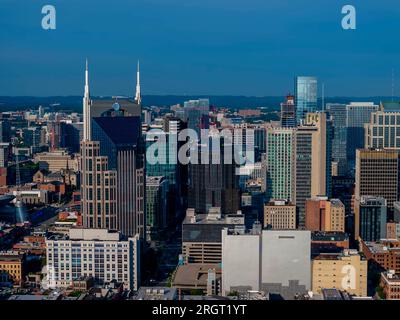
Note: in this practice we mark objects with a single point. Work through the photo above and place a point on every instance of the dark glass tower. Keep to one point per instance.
(214, 185)
(121, 142)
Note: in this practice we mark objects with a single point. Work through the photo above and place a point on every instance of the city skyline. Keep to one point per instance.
(199, 151)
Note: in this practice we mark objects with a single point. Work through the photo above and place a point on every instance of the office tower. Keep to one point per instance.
(377, 174)
(358, 114)
(280, 215)
(259, 142)
(156, 204)
(125, 153)
(201, 234)
(338, 114)
(32, 137)
(5, 154)
(313, 161)
(96, 253)
(276, 262)
(164, 163)
(5, 131)
(306, 95)
(98, 189)
(345, 271)
(197, 114)
(288, 113)
(383, 131)
(370, 218)
(324, 215)
(280, 158)
(214, 184)
(112, 135)
(71, 135)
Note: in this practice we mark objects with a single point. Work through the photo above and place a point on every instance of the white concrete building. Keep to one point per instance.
(272, 261)
(96, 253)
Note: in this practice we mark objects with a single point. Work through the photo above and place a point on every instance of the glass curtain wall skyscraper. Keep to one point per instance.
(358, 114)
(306, 96)
(338, 115)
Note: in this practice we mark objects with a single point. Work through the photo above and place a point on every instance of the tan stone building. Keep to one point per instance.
(280, 215)
(346, 271)
(11, 267)
(99, 199)
(55, 161)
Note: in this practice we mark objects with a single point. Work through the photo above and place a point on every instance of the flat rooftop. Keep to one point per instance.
(194, 275)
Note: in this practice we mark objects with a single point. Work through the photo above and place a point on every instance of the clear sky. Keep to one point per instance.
(226, 47)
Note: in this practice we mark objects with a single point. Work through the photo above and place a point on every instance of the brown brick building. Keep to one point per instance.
(385, 253)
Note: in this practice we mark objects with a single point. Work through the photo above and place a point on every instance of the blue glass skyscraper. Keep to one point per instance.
(306, 90)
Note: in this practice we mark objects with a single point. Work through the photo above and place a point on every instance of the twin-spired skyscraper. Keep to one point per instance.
(112, 164)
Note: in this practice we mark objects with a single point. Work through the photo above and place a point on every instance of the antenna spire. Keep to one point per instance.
(86, 106)
(138, 96)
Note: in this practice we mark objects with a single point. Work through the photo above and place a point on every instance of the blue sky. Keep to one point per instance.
(252, 47)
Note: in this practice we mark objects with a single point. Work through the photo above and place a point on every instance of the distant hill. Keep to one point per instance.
(74, 103)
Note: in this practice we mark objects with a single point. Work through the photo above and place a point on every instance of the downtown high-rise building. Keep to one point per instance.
(358, 114)
(313, 161)
(383, 131)
(377, 174)
(306, 96)
(288, 112)
(125, 153)
(98, 189)
(370, 218)
(215, 183)
(325, 215)
(164, 162)
(338, 114)
(156, 204)
(197, 114)
(112, 158)
(280, 161)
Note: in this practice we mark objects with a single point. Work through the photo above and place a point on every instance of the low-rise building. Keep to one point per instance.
(11, 267)
(393, 230)
(156, 293)
(329, 242)
(345, 271)
(385, 253)
(275, 262)
(280, 215)
(390, 284)
(204, 277)
(56, 160)
(201, 235)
